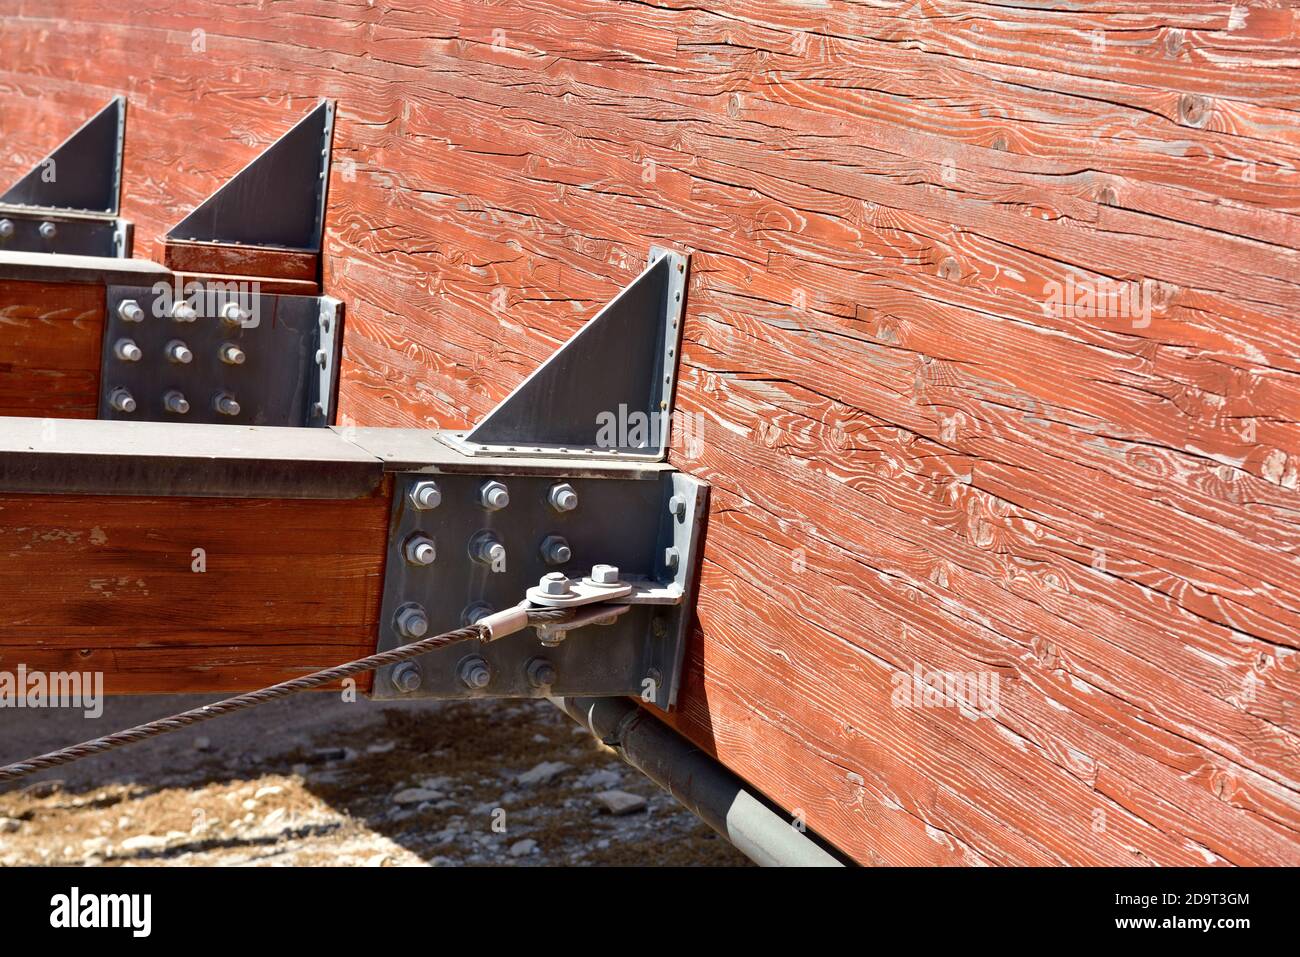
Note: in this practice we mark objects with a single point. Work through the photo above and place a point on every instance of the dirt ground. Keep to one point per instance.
(315, 780)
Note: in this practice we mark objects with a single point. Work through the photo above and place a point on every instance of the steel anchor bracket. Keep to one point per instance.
(486, 558)
(69, 202)
(219, 353)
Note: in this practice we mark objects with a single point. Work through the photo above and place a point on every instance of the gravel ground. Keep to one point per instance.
(315, 780)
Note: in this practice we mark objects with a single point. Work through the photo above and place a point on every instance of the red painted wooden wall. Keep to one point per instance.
(932, 454)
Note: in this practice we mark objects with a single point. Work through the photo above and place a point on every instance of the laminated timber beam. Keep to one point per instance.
(185, 556)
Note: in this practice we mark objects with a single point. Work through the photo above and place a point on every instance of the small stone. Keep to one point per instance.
(381, 747)
(9, 824)
(523, 848)
(274, 818)
(43, 789)
(249, 805)
(416, 796)
(202, 744)
(619, 803)
(543, 772)
(267, 791)
(603, 779)
(144, 842)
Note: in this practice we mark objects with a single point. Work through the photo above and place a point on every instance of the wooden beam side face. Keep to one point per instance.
(50, 339)
(252, 261)
(189, 594)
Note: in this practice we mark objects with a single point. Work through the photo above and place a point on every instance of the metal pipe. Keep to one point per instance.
(707, 789)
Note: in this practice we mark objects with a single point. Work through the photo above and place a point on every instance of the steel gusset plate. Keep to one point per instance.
(68, 234)
(289, 347)
(621, 521)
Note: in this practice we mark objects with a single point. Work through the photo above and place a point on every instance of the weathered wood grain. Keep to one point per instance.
(175, 594)
(50, 340)
(936, 469)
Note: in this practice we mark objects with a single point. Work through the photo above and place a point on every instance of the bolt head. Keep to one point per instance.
(562, 497)
(555, 584)
(6, 228)
(412, 622)
(407, 678)
(604, 574)
(475, 613)
(48, 230)
(672, 558)
(677, 506)
(494, 496)
(232, 313)
(425, 495)
(420, 550)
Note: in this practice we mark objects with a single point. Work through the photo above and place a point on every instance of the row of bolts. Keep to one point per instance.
(411, 620)
(46, 229)
(126, 349)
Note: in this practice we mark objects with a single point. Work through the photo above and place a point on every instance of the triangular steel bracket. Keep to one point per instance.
(84, 173)
(277, 200)
(608, 391)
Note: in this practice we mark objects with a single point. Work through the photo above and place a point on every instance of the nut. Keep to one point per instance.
(127, 350)
(604, 574)
(411, 621)
(487, 549)
(555, 550)
(6, 228)
(225, 403)
(672, 558)
(555, 584)
(128, 310)
(407, 677)
(541, 673)
(419, 550)
(122, 400)
(231, 354)
(474, 673)
(174, 401)
(48, 230)
(183, 312)
(562, 497)
(233, 314)
(425, 495)
(677, 506)
(178, 351)
(494, 496)
(474, 613)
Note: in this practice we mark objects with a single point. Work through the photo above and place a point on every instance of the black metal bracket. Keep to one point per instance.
(219, 352)
(608, 391)
(277, 200)
(69, 202)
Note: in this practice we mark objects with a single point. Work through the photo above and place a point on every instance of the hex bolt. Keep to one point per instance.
(183, 312)
(677, 506)
(475, 613)
(225, 403)
(672, 558)
(322, 358)
(424, 496)
(127, 350)
(48, 230)
(231, 354)
(233, 314)
(487, 549)
(128, 310)
(6, 228)
(419, 550)
(407, 678)
(562, 497)
(411, 621)
(604, 574)
(177, 351)
(122, 400)
(474, 673)
(541, 673)
(555, 584)
(494, 496)
(555, 550)
(174, 401)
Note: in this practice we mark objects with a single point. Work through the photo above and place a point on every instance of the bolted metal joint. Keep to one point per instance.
(420, 550)
(175, 402)
(494, 496)
(474, 673)
(178, 352)
(48, 230)
(486, 549)
(231, 354)
(127, 350)
(233, 314)
(182, 311)
(128, 310)
(225, 403)
(425, 495)
(122, 400)
(6, 228)
(556, 550)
